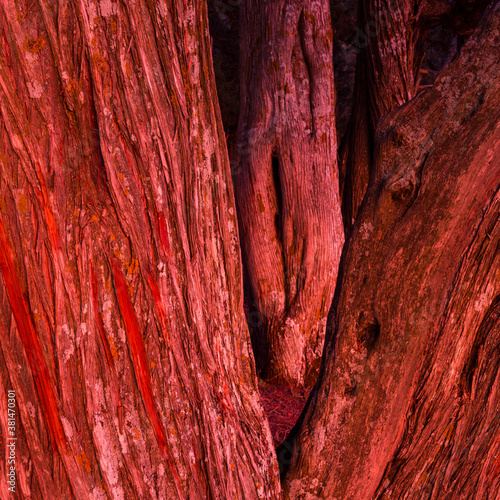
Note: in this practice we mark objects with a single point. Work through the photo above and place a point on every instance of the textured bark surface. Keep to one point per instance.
(286, 181)
(122, 330)
(388, 42)
(407, 403)
(401, 48)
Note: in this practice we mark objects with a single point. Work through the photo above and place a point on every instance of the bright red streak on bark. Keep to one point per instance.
(162, 229)
(159, 308)
(139, 361)
(31, 342)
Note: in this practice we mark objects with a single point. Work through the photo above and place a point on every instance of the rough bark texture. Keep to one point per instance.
(407, 403)
(286, 181)
(122, 330)
(402, 46)
(388, 43)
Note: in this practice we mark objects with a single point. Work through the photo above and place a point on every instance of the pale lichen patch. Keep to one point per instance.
(484, 299)
(108, 8)
(99, 494)
(366, 230)
(67, 341)
(108, 460)
(68, 429)
(298, 489)
(35, 89)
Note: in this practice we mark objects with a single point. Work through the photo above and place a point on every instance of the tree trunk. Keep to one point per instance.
(286, 181)
(388, 42)
(407, 403)
(391, 42)
(122, 331)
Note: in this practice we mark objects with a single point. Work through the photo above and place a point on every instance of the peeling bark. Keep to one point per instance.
(121, 306)
(286, 181)
(407, 401)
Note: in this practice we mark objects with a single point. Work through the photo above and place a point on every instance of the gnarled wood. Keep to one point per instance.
(407, 401)
(388, 42)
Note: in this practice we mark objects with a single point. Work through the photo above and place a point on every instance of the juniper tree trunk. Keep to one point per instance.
(388, 44)
(391, 41)
(286, 181)
(407, 403)
(122, 331)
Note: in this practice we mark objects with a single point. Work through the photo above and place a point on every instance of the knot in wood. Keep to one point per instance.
(403, 188)
(368, 330)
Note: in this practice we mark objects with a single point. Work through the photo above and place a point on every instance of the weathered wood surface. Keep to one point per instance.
(121, 321)
(286, 181)
(407, 404)
(389, 42)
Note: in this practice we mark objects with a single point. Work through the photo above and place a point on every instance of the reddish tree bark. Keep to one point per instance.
(122, 330)
(407, 400)
(388, 42)
(286, 181)
(391, 40)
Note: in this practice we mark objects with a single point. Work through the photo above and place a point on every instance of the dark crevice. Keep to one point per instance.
(369, 331)
(255, 321)
(278, 218)
(223, 18)
(301, 30)
(369, 336)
